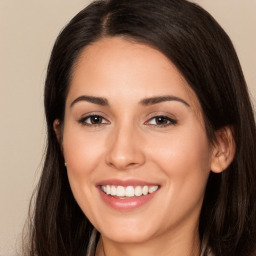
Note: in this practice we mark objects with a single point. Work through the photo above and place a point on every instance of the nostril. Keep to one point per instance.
(123, 165)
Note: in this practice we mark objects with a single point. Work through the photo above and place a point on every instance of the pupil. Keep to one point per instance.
(161, 120)
(96, 119)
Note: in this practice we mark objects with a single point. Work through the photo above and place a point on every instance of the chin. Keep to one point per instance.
(126, 236)
(128, 232)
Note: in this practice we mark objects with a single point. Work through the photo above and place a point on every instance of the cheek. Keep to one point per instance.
(82, 154)
(186, 148)
(185, 159)
(81, 151)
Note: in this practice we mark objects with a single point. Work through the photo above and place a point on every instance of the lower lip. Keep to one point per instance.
(126, 203)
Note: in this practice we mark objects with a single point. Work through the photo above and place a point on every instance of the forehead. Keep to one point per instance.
(115, 65)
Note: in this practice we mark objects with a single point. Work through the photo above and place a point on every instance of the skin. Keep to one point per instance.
(129, 143)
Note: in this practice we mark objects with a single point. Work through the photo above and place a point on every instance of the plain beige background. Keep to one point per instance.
(28, 29)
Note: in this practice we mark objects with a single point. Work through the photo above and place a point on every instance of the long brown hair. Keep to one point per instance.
(205, 56)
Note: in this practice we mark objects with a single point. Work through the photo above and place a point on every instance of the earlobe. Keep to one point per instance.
(223, 151)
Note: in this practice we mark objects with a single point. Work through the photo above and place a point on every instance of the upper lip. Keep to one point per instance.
(125, 183)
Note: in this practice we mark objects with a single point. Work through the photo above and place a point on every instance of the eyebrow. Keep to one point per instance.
(96, 100)
(144, 102)
(159, 99)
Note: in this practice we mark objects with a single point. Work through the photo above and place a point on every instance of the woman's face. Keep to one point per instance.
(135, 144)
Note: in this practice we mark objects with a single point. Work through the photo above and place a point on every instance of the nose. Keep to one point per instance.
(125, 148)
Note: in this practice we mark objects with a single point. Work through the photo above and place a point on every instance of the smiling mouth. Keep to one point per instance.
(128, 191)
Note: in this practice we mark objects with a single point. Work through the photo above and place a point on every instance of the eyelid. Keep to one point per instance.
(172, 120)
(83, 119)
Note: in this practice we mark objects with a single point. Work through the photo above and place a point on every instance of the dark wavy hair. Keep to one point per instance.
(205, 56)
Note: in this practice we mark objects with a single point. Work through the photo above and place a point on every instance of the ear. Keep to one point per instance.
(58, 130)
(223, 151)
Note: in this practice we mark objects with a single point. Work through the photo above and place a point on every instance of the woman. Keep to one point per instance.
(151, 137)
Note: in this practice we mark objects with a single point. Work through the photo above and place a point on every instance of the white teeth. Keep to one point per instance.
(138, 191)
(113, 191)
(152, 189)
(128, 191)
(145, 190)
(120, 191)
(108, 190)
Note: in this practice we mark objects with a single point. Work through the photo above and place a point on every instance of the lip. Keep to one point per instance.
(126, 204)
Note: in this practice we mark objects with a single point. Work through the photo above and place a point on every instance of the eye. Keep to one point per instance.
(93, 120)
(161, 121)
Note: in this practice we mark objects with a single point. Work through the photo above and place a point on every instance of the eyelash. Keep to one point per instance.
(84, 119)
(168, 121)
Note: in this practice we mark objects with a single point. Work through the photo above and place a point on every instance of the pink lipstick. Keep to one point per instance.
(128, 194)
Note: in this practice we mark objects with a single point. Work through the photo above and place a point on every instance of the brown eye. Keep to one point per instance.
(161, 121)
(93, 120)
(96, 119)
